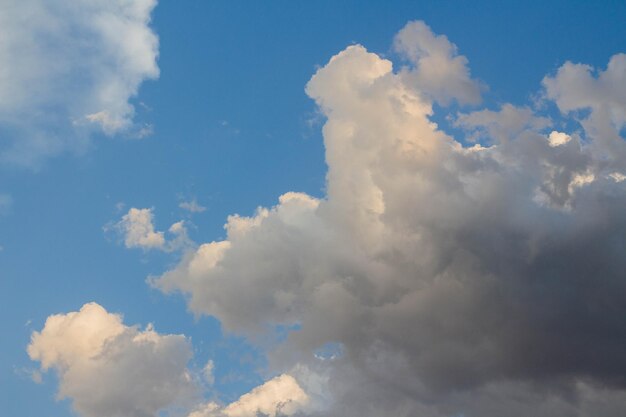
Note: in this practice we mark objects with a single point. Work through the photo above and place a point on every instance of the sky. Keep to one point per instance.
(330, 208)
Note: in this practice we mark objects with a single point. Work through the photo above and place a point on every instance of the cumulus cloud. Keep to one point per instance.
(558, 138)
(599, 102)
(137, 229)
(279, 397)
(109, 369)
(476, 281)
(69, 69)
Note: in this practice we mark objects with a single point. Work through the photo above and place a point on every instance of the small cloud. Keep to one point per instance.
(144, 131)
(29, 373)
(145, 107)
(207, 372)
(36, 376)
(558, 138)
(617, 176)
(192, 206)
(137, 230)
(109, 123)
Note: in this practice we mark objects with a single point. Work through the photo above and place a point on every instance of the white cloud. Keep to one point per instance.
(109, 369)
(439, 71)
(70, 68)
(617, 176)
(280, 396)
(456, 280)
(137, 229)
(192, 206)
(558, 138)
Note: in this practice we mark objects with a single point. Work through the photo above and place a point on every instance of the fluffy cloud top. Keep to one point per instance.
(109, 369)
(69, 67)
(477, 281)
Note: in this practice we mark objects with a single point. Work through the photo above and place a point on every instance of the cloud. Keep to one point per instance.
(438, 70)
(480, 281)
(69, 69)
(192, 206)
(280, 396)
(109, 369)
(137, 229)
(599, 102)
(558, 138)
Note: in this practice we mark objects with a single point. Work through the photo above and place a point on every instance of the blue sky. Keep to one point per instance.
(230, 127)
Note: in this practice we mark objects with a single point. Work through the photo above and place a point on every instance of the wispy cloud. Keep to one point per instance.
(192, 206)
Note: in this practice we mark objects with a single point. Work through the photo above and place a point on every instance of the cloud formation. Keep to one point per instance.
(69, 69)
(481, 280)
(137, 229)
(109, 369)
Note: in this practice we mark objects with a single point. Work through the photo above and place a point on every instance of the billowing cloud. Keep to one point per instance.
(558, 138)
(137, 230)
(109, 369)
(488, 126)
(70, 68)
(482, 280)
